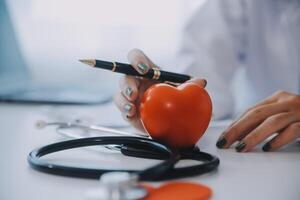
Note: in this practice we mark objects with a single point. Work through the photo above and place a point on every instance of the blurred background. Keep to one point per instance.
(53, 35)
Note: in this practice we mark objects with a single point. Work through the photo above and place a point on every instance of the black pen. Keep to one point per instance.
(153, 73)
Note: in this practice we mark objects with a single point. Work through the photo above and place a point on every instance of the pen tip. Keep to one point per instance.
(90, 62)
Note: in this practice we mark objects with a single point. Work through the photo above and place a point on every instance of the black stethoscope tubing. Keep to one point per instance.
(129, 146)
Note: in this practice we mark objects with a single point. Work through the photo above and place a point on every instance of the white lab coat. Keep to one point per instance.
(262, 37)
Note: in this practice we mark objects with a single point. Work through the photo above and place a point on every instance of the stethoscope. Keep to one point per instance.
(133, 146)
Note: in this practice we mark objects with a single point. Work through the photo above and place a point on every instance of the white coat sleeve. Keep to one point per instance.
(207, 51)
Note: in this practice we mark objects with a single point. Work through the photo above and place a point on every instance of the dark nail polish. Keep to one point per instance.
(240, 146)
(221, 142)
(267, 147)
(205, 82)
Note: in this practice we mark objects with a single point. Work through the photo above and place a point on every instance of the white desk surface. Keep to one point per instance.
(255, 175)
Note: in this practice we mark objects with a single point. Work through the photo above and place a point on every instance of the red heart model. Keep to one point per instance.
(176, 116)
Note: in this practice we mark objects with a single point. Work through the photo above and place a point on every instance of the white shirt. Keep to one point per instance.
(260, 37)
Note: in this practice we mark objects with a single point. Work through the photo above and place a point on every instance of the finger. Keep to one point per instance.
(135, 122)
(129, 87)
(140, 61)
(242, 116)
(248, 122)
(271, 99)
(198, 81)
(287, 136)
(271, 125)
(127, 108)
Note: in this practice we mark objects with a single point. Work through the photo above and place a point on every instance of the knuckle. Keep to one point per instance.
(251, 140)
(292, 101)
(134, 83)
(275, 119)
(248, 111)
(295, 99)
(134, 51)
(280, 93)
(295, 127)
(231, 134)
(136, 54)
(126, 82)
(256, 112)
(117, 101)
(123, 81)
(116, 98)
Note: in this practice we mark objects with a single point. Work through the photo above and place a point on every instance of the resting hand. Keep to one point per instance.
(133, 88)
(280, 114)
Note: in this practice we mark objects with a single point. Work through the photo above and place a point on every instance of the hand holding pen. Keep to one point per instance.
(133, 88)
(141, 73)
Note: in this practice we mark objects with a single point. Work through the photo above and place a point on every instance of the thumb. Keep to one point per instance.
(198, 81)
(140, 61)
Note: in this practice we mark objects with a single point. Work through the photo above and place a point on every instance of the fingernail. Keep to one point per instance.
(127, 108)
(142, 68)
(267, 147)
(221, 142)
(240, 146)
(128, 92)
(205, 82)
